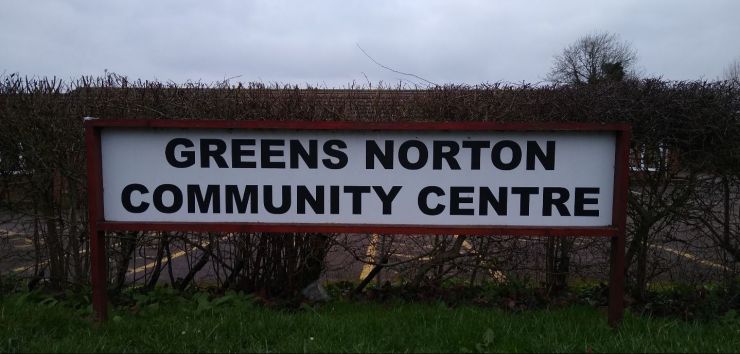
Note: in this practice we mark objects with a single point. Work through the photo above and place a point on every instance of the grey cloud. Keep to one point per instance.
(315, 42)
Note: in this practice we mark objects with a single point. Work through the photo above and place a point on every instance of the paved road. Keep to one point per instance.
(16, 256)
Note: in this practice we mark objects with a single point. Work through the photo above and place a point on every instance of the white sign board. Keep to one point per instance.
(424, 178)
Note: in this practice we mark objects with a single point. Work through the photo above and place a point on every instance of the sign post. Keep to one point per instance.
(619, 222)
(477, 178)
(98, 257)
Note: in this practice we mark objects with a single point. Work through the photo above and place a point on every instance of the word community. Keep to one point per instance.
(334, 155)
(431, 200)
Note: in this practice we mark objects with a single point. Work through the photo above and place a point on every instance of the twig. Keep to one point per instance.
(393, 70)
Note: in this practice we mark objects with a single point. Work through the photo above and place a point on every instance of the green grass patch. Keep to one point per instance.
(165, 322)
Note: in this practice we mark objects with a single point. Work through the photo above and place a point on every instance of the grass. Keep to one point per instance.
(169, 323)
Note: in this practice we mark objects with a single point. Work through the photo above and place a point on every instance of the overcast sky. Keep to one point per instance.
(316, 42)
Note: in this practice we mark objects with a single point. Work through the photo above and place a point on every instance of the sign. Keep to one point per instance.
(470, 178)
(485, 178)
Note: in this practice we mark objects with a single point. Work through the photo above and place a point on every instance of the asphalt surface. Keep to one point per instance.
(17, 257)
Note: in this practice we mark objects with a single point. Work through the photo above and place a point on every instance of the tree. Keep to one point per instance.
(591, 59)
(732, 72)
(594, 58)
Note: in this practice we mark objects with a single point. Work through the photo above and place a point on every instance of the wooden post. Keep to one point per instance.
(98, 257)
(99, 272)
(619, 221)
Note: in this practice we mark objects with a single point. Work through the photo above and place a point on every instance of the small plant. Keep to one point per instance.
(692, 302)
(484, 346)
(592, 294)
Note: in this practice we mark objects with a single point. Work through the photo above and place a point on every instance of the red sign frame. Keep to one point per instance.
(98, 226)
